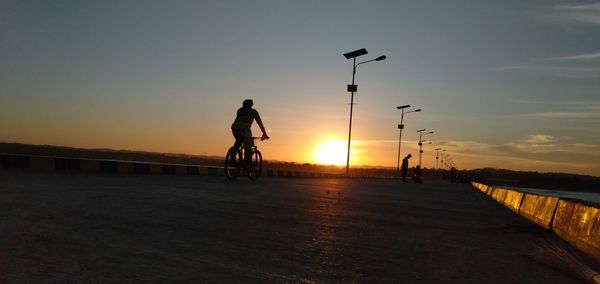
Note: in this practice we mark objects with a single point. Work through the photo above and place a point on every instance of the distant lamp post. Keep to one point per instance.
(401, 127)
(437, 158)
(443, 158)
(354, 88)
(447, 161)
(421, 134)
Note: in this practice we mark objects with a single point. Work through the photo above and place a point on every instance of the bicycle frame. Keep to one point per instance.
(235, 162)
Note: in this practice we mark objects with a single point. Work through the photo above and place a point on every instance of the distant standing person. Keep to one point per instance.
(417, 175)
(241, 128)
(453, 174)
(405, 167)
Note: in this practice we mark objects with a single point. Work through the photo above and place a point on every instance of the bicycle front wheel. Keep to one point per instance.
(233, 161)
(256, 167)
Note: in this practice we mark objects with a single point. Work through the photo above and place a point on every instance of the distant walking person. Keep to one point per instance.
(241, 128)
(405, 167)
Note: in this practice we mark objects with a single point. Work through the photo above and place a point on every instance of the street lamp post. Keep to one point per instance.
(447, 161)
(421, 134)
(401, 127)
(443, 158)
(423, 143)
(352, 89)
(437, 157)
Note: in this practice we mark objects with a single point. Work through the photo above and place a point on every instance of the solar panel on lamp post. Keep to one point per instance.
(352, 89)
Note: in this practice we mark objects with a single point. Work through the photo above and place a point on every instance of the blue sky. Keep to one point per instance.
(512, 84)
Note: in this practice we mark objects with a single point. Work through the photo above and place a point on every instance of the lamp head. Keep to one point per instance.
(380, 58)
(404, 106)
(417, 110)
(355, 53)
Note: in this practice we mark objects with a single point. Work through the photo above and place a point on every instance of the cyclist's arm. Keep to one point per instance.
(260, 124)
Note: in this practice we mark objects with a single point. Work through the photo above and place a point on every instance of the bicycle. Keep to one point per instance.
(234, 162)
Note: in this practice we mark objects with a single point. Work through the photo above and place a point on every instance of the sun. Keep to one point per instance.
(332, 153)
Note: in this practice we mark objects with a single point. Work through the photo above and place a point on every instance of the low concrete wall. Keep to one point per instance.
(181, 170)
(539, 209)
(90, 166)
(580, 225)
(42, 163)
(499, 194)
(488, 189)
(513, 200)
(126, 167)
(575, 222)
(46, 163)
(482, 187)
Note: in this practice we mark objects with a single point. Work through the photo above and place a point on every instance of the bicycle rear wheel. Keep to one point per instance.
(233, 162)
(256, 167)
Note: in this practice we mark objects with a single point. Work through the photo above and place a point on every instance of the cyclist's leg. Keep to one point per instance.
(248, 144)
(239, 137)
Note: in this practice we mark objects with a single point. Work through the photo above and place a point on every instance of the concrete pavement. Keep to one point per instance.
(90, 227)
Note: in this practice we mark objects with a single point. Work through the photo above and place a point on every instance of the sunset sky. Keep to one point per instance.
(510, 84)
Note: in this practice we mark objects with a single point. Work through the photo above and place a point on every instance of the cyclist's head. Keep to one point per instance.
(248, 103)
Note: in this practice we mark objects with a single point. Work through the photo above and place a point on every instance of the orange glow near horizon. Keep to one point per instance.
(331, 152)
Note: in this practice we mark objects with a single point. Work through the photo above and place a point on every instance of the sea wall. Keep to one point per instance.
(574, 221)
(48, 163)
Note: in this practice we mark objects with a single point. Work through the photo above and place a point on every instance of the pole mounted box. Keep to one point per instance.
(352, 88)
(400, 126)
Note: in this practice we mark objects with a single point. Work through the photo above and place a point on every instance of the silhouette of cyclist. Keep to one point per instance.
(241, 128)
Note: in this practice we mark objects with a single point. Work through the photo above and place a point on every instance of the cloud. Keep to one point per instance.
(584, 111)
(586, 104)
(544, 143)
(577, 57)
(539, 139)
(594, 7)
(557, 71)
(561, 115)
(533, 152)
(542, 152)
(594, 107)
(580, 65)
(588, 13)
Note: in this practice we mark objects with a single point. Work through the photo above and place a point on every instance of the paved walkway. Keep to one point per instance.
(60, 228)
